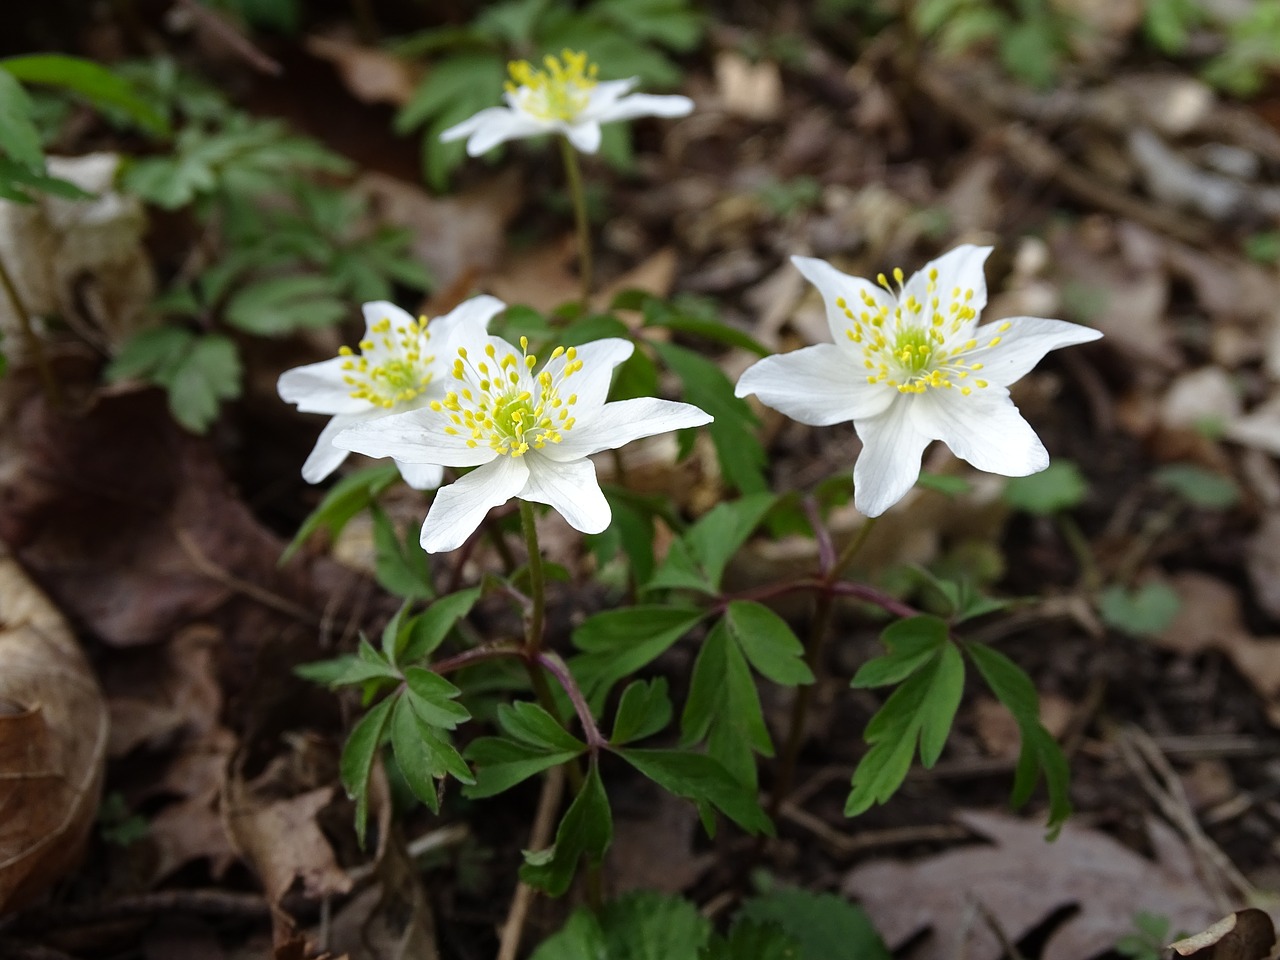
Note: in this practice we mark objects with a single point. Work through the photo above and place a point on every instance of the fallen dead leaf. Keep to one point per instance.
(998, 731)
(53, 741)
(1021, 879)
(372, 75)
(749, 90)
(1245, 935)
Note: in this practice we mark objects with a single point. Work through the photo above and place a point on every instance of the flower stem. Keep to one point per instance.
(52, 391)
(555, 666)
(573, 173)
(535, 621)
(814, 649)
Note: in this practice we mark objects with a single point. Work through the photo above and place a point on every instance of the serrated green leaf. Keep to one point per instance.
(586, 830)
(1060, 486)
(501, 764)
(911, 644)
(768, 642)
(97, 84)
(149, 351)
(752, 941)
(18, 134)
(617, 643)
(1141, 612)
(353, 493)
(345, 670)
(208, 374)
(1040, 752)
(423, 755)
(400, 566)
(646, 925)
(823, 925)
(281, 305)
(358, 756)
(643, 709)
(432, 697)
(703, 780)
(734, 429)
(428, 629)
(529, 723)
(941, 704)
(579, 939)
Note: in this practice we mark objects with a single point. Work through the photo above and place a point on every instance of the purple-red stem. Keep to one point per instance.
(555, 666)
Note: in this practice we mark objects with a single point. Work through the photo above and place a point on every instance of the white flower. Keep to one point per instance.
(912, 366)
(527, 434)
(398, 368)
(564, 98)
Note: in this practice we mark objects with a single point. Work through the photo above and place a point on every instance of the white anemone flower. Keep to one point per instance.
(527, 434)
(565, 98)
(910, 365)
(400, 366)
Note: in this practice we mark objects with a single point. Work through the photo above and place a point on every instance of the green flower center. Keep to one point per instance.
(391, 368)
(506, 407)
(559, 92)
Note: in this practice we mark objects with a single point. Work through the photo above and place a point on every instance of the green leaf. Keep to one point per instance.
(911, 644)
(357, 760)
(646, 925)
(643, 710)
(18, 134)
(353, 493)
(400, 567)
(529, 723)
(670, 23)
(1198, 486)
(149, 352)
(751, 941)
(768, 642)
(502, 763)
(346, 670)
(921, 709)
(1040, 752)
(281, 305)
(698, 559)
(733, 432)
(703, 780)
(579, 939)
(18, 182)
(617, 643)
(428, 629)
(709, 330)
(432, 697)
(423, 754)
(825, 926)
(97, 84)
(1145, 611)
(1060, 486)
(210, 374)
(586, 830)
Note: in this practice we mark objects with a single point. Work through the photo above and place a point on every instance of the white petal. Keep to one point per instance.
(959, 268)
(470, 316)
(604, 95)
(818, 385)
(646, 105)
(376, 311)
(415, 437)
(458, 508)
(421, 476)
(591, 383)
(319, 388)
(986, 430)
(571, 488)
(584, 135)
(1022, 345)
(325, 457)
(890, 460)
(834, 285)
(493, 126)
(621, 422)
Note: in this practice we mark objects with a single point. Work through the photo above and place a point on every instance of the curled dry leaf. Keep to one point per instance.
(53, 741)
(1245, 935)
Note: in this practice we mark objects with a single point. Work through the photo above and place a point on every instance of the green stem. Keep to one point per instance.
(573, 173)
(813, 656)
(52, 391)
(535, 622)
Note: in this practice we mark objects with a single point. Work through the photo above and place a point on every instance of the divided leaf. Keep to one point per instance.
(586, 830)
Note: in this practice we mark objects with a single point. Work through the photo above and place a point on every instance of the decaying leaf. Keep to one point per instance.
(1020, 880)
(1245, 935)
(53, 741)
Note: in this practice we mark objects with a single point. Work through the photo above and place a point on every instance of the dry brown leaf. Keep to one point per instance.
(283, 842)
(1245, 935)
(1021, 879)
(372, 75)
(749, 90)
(998, 731)
(53, 741)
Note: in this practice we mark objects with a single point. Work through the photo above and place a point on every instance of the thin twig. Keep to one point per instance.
(52, 389)
(236, 41)
(539, 838)
(214, 571)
